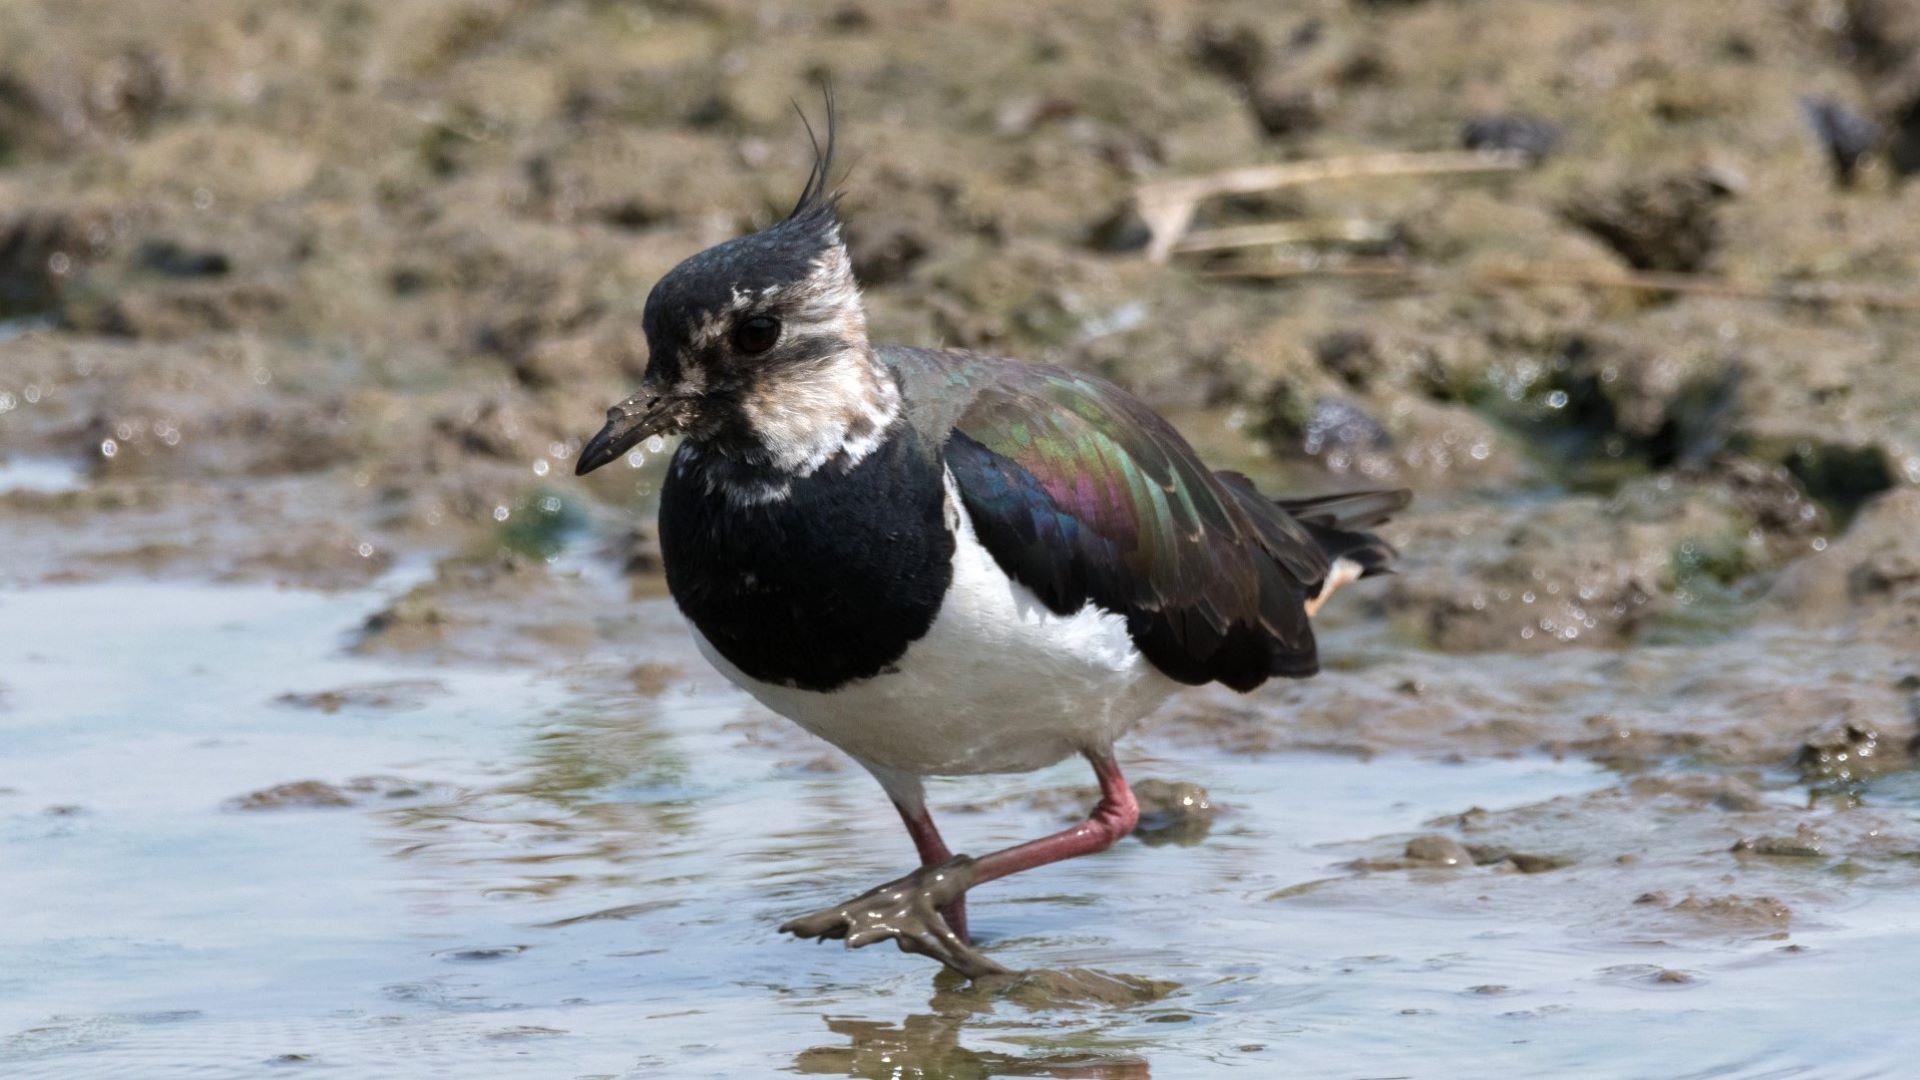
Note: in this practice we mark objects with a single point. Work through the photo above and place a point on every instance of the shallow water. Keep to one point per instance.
(556, 879)
(41, 474)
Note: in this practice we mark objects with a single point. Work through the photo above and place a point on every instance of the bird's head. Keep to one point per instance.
(758, 348)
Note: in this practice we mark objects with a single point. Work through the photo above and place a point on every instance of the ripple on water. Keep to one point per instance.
(598, 875)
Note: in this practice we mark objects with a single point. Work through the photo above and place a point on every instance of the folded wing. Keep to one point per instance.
(1085, 495)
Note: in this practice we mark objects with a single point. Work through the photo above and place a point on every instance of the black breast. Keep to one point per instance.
(826, 585)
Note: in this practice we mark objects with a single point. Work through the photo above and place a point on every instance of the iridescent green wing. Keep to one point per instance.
(1084, 495)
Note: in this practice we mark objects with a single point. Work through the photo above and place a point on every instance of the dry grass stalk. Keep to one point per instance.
(1167, 206)
(1351, 231)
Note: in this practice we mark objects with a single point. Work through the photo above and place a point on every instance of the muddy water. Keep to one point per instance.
(525, 873)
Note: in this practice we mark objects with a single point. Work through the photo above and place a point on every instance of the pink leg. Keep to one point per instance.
(1114, 817)
(933, 851)
(923, 912)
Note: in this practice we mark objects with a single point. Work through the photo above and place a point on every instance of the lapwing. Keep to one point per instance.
(947, 563)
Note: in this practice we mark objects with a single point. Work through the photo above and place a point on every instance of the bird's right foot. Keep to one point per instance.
(908, 912)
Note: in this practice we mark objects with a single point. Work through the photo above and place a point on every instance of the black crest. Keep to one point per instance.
(817, 207)
(782, 253)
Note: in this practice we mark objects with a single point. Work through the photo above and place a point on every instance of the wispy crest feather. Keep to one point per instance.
(818, 198)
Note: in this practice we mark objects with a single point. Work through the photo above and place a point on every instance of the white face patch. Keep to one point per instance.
(819, 396)
(838, 406)
(828, 298)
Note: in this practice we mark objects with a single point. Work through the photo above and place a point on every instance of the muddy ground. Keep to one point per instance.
(304, 293)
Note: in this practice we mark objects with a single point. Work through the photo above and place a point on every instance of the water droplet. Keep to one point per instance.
(541, 468)
(1557, 399)
(1819, 543)
(59, 263)
(108, 448)
(501, 513)
(31, 393)
(635, 459)
(366, 550)
(655, 444)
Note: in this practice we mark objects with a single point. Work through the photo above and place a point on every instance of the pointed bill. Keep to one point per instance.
(640, 416)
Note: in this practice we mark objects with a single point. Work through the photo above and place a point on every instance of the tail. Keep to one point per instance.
(1338, 522)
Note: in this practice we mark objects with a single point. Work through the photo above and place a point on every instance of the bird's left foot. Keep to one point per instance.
(907, 911)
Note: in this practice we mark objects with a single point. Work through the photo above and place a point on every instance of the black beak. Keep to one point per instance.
(632, 420)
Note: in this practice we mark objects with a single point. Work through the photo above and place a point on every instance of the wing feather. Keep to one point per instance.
(1085, 495)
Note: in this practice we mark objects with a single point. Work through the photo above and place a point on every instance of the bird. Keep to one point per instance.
(947, 563)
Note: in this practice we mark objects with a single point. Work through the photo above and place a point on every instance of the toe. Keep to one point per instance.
(824, 925)
(910, 912)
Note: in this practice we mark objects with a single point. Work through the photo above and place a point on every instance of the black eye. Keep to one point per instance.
(756, 333)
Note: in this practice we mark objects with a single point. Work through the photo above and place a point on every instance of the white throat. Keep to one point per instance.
(836, 410)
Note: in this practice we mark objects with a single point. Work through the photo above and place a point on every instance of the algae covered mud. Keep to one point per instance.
(340, 729)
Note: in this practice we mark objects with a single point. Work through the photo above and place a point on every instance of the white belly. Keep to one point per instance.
(998, 684)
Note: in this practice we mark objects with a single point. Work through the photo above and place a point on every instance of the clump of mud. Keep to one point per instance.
(1173, 812)
(321, 795)
(393, 695)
